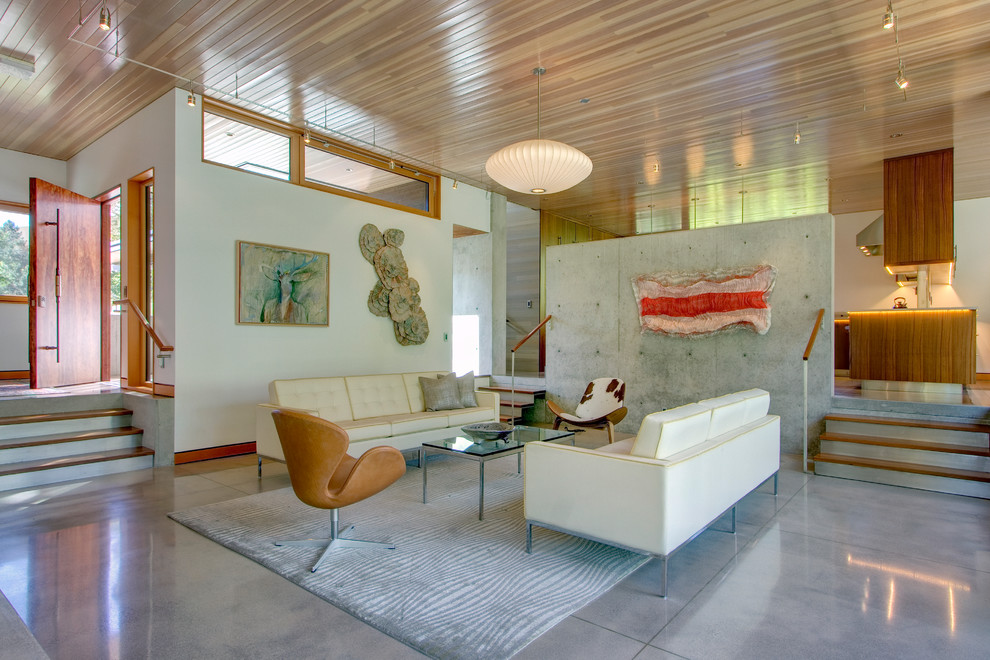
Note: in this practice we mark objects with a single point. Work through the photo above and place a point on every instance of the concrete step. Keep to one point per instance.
(943, 431)
(22, 426)
(17, 450)
(911, 409)
(28, 474)
(531, 382)
(916, 452)
(940, 479)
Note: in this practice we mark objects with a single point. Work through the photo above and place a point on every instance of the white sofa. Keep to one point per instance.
(655, 492)
(385, 409)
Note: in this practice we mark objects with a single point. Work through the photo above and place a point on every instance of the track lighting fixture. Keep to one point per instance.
(455, 184)
(104, 17)
(191, 101)
(901, 81)
(797, 133)
(307, 137)
(888, 17)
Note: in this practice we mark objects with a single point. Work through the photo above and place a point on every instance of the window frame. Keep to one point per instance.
(321, 142)
(17, 207)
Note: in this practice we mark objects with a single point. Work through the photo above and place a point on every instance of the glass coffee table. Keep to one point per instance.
(470, 448)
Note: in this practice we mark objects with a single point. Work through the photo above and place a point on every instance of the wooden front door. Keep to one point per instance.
(64, 287)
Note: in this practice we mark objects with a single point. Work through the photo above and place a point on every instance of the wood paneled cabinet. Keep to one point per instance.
(917, 209)
(916, 345)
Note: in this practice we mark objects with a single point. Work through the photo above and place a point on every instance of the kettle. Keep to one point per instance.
(900, 303)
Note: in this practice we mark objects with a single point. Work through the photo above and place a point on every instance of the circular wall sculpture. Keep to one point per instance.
(396, 295)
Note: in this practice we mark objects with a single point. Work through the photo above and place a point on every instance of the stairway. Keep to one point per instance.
(38, 447)
(938, 447)
(526, 405)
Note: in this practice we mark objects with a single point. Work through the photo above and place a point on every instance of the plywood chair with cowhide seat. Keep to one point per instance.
(602, 406)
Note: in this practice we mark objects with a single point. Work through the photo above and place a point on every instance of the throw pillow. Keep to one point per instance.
(465, 385)
(441, 393)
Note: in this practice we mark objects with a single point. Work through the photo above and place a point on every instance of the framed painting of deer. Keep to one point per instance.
(282, 286)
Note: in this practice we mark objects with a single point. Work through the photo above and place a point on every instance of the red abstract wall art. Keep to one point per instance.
(701, 304)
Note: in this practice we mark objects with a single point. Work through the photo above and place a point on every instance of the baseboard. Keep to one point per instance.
(164, 390)
(214, 452)
(14, 375)
(982, 376)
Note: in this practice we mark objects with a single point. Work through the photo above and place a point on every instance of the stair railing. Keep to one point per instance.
(162, 346)
(807, 354)
(512, 387)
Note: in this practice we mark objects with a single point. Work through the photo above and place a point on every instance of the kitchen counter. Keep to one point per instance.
(915, 345)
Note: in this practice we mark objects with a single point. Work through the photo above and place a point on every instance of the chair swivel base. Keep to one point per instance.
(334, 542)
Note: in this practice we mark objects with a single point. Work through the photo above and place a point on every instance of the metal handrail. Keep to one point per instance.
(512, 384)
(162, 346)
(814, 334)
(807, 354)
(532, 332)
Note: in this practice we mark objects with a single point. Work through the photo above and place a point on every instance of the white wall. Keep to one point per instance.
(142, 142)
(16, 169)
(222, 368)
(466, 206)
(14, 330)
(862, 282)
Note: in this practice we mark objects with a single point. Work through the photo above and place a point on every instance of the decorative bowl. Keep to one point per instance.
(487, 430)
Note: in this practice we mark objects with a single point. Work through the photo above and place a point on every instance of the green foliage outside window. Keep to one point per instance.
(13, 260)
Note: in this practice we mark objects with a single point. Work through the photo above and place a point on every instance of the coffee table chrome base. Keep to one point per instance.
(481, 476)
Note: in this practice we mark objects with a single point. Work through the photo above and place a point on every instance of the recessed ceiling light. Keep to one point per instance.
(585, 100)
(895, 135)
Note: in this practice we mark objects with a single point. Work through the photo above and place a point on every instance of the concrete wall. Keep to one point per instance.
(595, 330)
(472, 289)
(862, 282)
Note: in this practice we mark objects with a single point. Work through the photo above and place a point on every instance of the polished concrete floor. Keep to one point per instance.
(830, 568)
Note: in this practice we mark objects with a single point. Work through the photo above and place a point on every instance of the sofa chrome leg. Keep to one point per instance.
(259, 467)
(775, 475)
(663, 576)
(529, 538)
(733, 520)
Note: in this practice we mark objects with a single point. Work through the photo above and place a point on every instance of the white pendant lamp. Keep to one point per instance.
(539, 166)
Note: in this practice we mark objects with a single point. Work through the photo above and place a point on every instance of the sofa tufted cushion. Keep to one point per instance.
(414, 422)
(468, 416)
(726, 416)
(665, 433)
(757, 404)
(327, 396)
(737, 409)
(441, 393)
(373, 396)
(366, 429)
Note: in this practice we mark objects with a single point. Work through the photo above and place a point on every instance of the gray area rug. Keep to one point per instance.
(454, 587)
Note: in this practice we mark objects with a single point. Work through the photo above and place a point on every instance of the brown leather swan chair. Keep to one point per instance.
(600, 407)
(325, 476)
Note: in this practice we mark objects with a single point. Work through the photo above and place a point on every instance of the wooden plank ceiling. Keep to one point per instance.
(687, 109)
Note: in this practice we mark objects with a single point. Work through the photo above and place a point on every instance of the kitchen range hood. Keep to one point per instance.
(870, 240)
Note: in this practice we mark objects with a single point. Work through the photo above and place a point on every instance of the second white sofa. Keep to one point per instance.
(384, 409)
(655, 492)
